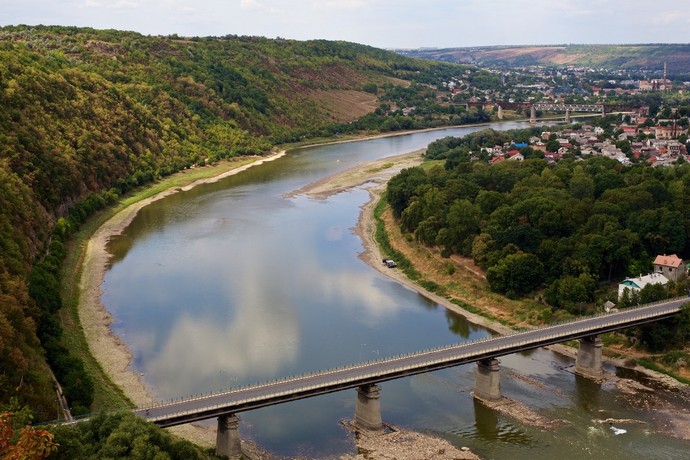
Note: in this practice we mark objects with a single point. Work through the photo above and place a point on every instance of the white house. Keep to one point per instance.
(636, 284)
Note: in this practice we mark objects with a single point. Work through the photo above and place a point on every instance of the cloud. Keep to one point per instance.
(117, 5)
(340, 4)
(671, 18)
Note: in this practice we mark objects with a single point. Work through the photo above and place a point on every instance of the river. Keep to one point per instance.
(233, 283)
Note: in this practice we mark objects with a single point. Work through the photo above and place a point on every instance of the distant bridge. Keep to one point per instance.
(603, 109)
(365, 376)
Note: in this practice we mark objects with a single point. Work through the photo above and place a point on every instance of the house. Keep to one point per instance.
(637, 284)
(670, 266)
(666, 132)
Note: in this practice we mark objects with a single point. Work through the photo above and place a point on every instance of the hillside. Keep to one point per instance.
(632, 57)
(87, 115)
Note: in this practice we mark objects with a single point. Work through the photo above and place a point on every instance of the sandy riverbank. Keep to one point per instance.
(107, 349)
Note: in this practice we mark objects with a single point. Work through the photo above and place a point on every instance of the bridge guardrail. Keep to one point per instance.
(614, 317)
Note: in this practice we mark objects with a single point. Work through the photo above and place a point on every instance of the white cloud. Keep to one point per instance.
(670, 18)
(340, 4)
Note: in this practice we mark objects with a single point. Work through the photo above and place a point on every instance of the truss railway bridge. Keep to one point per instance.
(568, 109)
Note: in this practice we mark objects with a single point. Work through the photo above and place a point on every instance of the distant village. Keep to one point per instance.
(658, 139)
(660, 147)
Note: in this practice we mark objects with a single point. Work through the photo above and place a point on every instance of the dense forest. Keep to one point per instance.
(88, 115)
(568, 232)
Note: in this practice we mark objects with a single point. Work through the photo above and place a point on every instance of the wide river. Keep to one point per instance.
(233, 283)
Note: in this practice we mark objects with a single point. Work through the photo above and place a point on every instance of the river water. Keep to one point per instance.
(232, 283)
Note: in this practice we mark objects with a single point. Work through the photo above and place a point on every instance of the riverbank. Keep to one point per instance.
(474, 285)
(112, 355)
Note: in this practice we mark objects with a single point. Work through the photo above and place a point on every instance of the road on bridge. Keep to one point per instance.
(293, 388)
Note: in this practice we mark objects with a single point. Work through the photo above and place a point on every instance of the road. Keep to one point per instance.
(203, 407)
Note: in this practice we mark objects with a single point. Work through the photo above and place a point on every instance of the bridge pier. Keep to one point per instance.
(500, 113)
(228, 437)
(567, 116)
(368, 408)
(533, 115)
(487, 384)
(588, 361)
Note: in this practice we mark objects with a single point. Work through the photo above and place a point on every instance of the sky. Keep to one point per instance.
(380, 23)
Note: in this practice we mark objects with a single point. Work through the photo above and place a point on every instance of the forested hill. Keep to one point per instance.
(632, 57)
(91, 114)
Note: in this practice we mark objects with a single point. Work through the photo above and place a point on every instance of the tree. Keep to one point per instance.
(463, 225)
(121, 435)
(28, 444)
(517, 274)
(403, 187)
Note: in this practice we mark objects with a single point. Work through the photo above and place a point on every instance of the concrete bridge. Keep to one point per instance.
(366, 376)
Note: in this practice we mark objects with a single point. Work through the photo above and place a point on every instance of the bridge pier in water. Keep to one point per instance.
(588, 361)
(567, 116)
(533, 115)
(368, 408)
(488, 383)
(228, 437)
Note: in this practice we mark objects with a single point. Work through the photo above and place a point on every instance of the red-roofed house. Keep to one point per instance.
(670, 266)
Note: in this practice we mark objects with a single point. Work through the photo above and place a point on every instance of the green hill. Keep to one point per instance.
(87, 115)
(633, 57)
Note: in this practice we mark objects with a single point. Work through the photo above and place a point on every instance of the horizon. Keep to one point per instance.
(420, 48)
(385, 24)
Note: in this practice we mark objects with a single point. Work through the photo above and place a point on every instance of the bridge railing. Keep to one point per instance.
(616, 318)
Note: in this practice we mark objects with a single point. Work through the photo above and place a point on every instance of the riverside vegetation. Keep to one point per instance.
(559, 236)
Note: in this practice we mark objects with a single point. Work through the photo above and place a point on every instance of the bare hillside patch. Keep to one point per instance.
(345, 105)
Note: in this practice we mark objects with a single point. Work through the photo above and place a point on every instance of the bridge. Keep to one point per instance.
(603, 109)
(366, 376)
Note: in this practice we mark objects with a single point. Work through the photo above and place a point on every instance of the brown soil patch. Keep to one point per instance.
(345, 105)
(398, 82)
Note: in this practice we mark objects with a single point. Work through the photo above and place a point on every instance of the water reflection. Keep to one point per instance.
(587, 393)
(489, 427)
(460, 326)
(258, 344)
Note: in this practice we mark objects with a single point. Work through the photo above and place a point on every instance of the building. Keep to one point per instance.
(670, 266)
(637, 284)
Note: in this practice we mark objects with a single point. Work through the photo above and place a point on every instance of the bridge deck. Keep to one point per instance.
(293, 388)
